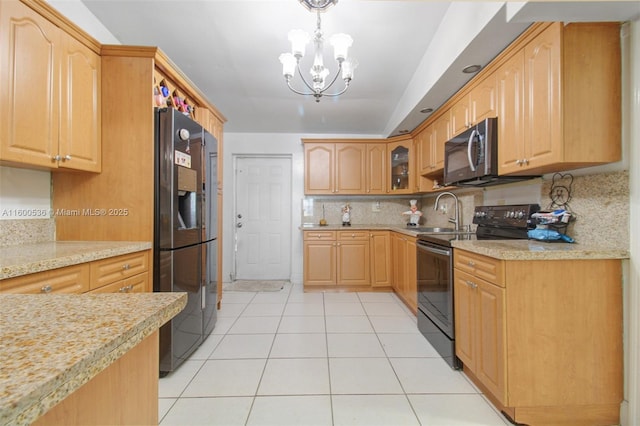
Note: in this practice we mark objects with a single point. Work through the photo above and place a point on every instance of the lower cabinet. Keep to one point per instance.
(354, 259)
(380, 250)
(125, 274)
(542, 339)
(404, 268)
(70, 279)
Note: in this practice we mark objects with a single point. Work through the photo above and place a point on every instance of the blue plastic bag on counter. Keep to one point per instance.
(542, 234)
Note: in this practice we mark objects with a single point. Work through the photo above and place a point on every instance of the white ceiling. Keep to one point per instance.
(410, 53)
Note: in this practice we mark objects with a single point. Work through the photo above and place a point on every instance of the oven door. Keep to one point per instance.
(435, 284)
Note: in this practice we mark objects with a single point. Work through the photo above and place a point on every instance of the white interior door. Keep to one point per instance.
(263, 218)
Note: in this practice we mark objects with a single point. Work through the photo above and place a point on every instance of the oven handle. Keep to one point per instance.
(433, 249)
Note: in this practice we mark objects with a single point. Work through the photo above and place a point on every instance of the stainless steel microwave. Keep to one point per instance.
(471, 158)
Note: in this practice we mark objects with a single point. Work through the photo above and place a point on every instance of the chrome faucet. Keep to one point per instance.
(455, 219)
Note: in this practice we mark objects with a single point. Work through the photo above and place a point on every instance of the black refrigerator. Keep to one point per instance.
(185, 226)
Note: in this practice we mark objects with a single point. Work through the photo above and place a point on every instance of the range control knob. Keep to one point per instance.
(520, 214)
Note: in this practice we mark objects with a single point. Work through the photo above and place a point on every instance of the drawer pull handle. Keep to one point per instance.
(126, 289)
(126, 267)
(472, 284)
(46, 289)
(471, 263)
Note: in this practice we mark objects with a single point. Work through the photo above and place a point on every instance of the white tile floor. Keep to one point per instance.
(302, 359)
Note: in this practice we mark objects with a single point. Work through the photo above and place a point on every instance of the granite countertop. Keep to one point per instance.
(539, 250)
(396, 228)
(37, 257)
(504, 249)
(53, 344)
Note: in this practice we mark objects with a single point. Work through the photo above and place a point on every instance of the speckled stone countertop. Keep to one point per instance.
(402, 229)
(29, 258)
(50, 345)
(505, 249)
(539, 250)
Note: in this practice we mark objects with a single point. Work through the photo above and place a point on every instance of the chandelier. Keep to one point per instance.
(299, 39)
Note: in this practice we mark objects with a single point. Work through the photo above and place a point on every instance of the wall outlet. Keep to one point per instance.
(375, 207)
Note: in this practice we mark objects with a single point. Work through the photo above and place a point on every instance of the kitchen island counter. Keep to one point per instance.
(539, 250)
(25, 259)
(54, 344)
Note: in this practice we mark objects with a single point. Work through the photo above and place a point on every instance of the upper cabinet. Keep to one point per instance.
(50, 86)
(347, 167)
(553, 116)
(401, 161)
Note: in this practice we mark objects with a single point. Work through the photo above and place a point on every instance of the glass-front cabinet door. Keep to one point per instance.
(400, 167)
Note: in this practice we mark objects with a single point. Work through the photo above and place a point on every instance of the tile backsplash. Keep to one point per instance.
(600, 203)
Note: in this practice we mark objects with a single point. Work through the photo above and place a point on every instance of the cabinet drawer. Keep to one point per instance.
(117, 268)
(136, 284)
(320, 235)
(353, 235)
(71, 279)
(484, 267)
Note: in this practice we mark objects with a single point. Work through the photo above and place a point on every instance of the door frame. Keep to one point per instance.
(289, 174)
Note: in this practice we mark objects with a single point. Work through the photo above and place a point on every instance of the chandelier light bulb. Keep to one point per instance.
(299, 40)
(341, 43)
(289, 63)
(348, 66)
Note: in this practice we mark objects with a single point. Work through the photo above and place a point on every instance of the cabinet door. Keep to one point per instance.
(542, 103)
(425, 153)
(353, 263)
(380, 247)
(460, 116)
(510, 80)
(411, 277)
(319, 168)
(350, 176)
(400, 160)
(376, 168)
(79, 145)
(319, 263)
(490, 366)
(441, 135)
(465, 318)
(29, 86)
(483, 100)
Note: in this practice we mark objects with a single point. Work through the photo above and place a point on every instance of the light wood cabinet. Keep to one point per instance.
(542, 339)
(480, 332)
(376, 169)
(50, 86)
(404, 268)
(401, 163)
(349, 168)
(319, 258)
(70, 279)
(118, 269)
(478, 104)
(558, 132)
(432, 140)
(353, 258)
(347, 259)
(380, 247)
(126, 274)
